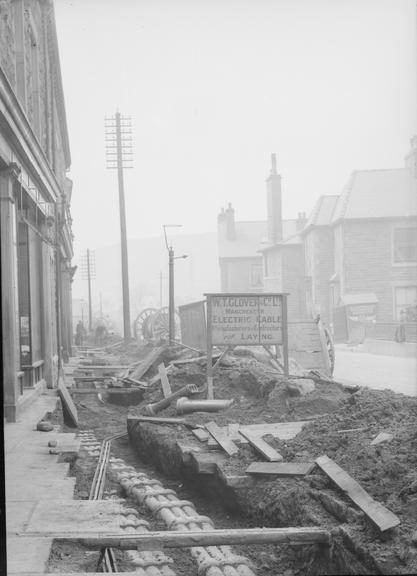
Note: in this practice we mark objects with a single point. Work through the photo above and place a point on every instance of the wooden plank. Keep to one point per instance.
(157, 377)
(67, 402)
(382, 437)
(221, 537)
(380, 515)
(147, 362)
(156, 420)
(166, 386)
(281, 430)
(281, 468)
(201, 434)
(261, 446)
(228, 445)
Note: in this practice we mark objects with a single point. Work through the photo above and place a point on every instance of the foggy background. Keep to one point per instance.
(213, 87)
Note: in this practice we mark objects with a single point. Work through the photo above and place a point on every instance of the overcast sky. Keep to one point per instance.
(214, 86)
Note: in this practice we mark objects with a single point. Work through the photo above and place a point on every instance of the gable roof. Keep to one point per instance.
(250, 238)
(377, 194)
(322, 213)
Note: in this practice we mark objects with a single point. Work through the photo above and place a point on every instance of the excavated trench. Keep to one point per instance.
(277, 503)
(162, 462)
(219, 488)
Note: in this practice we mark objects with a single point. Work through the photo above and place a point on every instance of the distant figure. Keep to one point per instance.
(101, 334)
(400, 332)
(79, 333)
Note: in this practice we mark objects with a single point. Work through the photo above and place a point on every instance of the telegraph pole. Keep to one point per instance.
(171, 298)
(160, 289)
(171, 295)
(119, 156)
(88, 268)
(90, 308)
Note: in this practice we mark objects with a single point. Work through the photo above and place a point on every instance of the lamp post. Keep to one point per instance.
(171, 297)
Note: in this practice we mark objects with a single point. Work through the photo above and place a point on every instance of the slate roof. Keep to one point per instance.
(377, 194)
(251, 236)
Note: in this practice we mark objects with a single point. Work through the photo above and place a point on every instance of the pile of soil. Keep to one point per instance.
(343, 424)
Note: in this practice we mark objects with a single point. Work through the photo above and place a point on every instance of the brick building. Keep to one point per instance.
(35, 194)
(361, 247)
(353, 260)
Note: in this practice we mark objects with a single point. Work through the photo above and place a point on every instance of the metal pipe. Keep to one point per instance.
(152, 409)
(184, 405)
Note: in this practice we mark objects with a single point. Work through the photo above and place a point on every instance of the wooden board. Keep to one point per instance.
(228, 445)
(382, 437)
(201, 434)
(67, 402)
(261, 446)
(166, 386)
(157, 377)
(380, 515)
(203, 538)
(281, 430)
(281, 468)
(147, 362)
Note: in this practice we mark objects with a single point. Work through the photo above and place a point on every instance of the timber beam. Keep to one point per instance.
(189, 539)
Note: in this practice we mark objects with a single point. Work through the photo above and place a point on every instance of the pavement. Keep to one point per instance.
(376, 371)
(32, 475)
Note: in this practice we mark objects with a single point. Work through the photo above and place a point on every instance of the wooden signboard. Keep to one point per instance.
(246, 319)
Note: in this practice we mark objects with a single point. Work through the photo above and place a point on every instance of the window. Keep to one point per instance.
(256, 276)
(405, 244)
(405, 298)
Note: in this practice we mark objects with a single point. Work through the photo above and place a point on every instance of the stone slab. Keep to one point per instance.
(66, 517)
(18, 514)
(30, 556)
(51, 487)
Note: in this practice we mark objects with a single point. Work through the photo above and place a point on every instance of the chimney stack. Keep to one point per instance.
(274, 203)
(226, 223)
(230, 223)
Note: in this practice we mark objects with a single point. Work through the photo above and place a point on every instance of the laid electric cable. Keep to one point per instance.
(181, 515)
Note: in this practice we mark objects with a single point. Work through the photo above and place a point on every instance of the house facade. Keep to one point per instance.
(361, 250)
(35, 196)
(353, 261)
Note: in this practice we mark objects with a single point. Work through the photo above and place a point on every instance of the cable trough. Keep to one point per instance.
(181, 515)
(147, 563)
